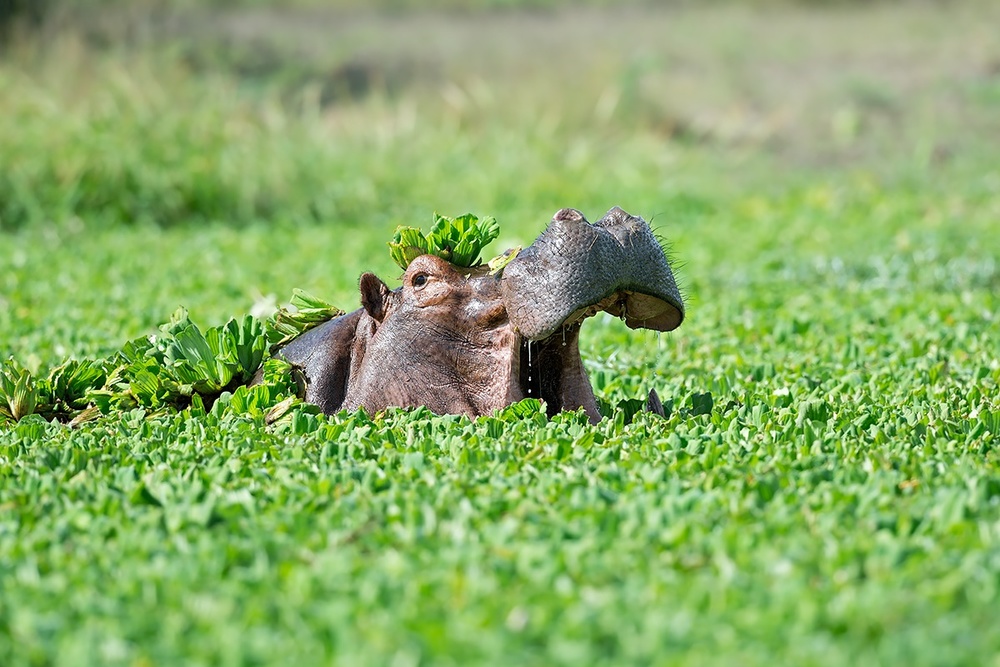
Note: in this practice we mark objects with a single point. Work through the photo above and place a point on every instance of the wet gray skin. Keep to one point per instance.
(575, 269)
(462, 341)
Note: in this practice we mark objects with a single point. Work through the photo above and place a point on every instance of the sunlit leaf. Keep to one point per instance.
(458, 240)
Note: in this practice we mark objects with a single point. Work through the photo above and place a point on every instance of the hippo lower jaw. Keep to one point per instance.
(551, 370)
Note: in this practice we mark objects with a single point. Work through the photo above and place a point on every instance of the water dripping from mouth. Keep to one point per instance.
(564, 336)
(529, 368)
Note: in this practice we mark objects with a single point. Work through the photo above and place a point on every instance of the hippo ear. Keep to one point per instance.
(374, 296)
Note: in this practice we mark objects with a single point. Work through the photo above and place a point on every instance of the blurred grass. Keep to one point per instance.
(253, 114)
(107, 143)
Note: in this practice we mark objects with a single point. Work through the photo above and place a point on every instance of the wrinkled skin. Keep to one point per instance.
(462, 341)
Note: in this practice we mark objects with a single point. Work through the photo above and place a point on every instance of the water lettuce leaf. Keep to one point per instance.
(180, 367)
(458, 240)
(304, 312)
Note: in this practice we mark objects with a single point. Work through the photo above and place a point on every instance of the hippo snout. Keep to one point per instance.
(575, 269)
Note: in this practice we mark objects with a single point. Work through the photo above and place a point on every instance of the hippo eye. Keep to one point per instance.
(420, 280)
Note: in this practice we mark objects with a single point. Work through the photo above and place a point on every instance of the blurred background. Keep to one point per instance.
(174, 111)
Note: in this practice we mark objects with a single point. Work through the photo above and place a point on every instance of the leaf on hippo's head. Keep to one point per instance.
(407, 244)
(441, 229)
(464, 253)
(498, 263)
(457, 240)
(489, 229)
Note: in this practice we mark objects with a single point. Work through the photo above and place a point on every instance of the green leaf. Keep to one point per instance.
(303, 300)
(70, 382)
(458, 240)
(285, 377)
(463, 253)
(17, 390)
(178, 322)
(145, 387)
(407, 244)
(306, 311)
(489, 230)
(250, 344)
(526, 407)
(25, 396)
(498, 263)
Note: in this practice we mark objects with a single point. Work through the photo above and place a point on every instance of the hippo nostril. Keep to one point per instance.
(569, 215)
(615, 216)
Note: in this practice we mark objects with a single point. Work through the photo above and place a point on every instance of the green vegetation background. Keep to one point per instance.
(826, 489)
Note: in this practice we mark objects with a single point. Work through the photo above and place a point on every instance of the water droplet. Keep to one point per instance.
(564, 336)
(529, 368)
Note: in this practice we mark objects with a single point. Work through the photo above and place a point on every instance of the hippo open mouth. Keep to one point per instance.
(551, 369)
(470, 341)
(573, 271)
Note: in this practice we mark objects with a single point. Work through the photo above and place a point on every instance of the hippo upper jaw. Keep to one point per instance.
(575, 269)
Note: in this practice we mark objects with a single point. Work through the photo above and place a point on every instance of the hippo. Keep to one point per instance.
(470, 340)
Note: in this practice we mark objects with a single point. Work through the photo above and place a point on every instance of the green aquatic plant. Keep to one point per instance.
(458, 240)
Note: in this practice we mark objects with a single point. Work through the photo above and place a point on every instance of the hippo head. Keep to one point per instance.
(465, 340)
